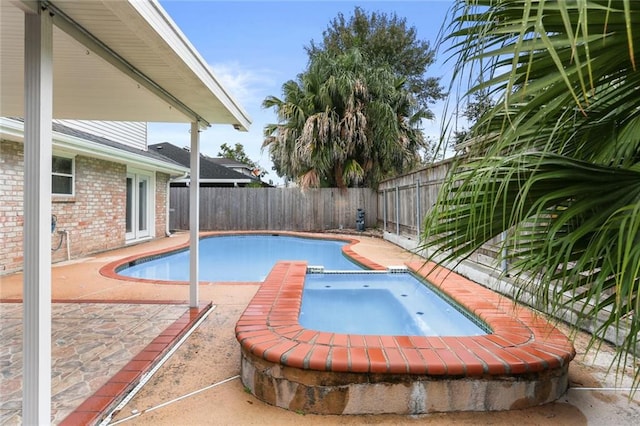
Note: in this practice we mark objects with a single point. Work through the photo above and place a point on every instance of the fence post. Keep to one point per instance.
(397, 210)
(504, 265)
(418, 209)
(384, 210)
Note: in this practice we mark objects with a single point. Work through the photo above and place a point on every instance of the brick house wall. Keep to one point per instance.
(94, 216)
(11, 205)
(162, 197)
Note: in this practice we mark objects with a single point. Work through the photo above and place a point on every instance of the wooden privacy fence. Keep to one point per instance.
(286, 209)
(404, 200)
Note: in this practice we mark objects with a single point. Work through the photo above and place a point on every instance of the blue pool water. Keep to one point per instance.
(243, 258)
(380, 304)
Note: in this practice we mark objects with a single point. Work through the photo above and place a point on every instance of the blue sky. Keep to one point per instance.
(254, 47)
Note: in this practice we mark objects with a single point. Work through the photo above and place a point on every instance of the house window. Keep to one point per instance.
(62, 176)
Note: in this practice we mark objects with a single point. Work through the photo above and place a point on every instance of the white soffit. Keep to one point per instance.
(88, 87)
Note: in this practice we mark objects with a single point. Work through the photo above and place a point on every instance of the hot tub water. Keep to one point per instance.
(380, 304)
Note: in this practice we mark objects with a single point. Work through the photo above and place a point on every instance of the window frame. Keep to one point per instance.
(72, 175)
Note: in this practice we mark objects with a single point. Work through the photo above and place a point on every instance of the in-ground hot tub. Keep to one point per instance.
(379, 302)
(522, 362)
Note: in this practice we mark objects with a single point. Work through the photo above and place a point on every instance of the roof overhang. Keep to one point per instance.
(116, 60)
(13, 130)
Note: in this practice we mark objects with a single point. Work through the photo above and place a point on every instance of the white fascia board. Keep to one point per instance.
(96, 150)
(11, 130)
(180, 44)
(187, 180)
(14, 130)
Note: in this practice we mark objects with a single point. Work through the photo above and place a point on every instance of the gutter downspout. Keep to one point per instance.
(66, 234)
(167, 231)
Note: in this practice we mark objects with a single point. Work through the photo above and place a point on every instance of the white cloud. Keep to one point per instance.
(248, 86)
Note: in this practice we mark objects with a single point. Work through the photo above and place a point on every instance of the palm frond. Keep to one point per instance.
(556, 162)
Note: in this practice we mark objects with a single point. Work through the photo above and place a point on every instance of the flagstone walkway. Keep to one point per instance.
(90, 343)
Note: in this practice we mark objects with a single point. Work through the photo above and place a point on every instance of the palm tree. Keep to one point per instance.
(344, 123)
(557, 161)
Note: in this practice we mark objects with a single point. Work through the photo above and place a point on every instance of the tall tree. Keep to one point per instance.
(478, 104)
(344, 123)
(387, 41)
(558, 162)
(237, 153)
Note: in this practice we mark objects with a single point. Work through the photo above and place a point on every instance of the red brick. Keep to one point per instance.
(339, 359)
(377, 360)
(358, 360)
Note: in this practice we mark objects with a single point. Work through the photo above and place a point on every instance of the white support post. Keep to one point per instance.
(38, 89)
(194, 215)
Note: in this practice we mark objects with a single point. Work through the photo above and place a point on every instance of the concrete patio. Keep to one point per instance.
(102, 324)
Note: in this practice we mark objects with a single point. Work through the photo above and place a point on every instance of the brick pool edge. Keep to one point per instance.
(523, 363)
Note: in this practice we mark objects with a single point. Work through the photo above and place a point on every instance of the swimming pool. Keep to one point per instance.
(372, 303)
(522, 362)
(242, 258)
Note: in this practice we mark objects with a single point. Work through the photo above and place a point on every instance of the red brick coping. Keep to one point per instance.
(98, 405)
(521, 341)
(110, 270)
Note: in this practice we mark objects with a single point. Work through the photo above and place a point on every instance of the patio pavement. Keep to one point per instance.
(91, 342)
(101, 324)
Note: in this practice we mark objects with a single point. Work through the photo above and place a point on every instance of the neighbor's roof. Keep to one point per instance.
(116, 60)
(229, 162)
(209, 171)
